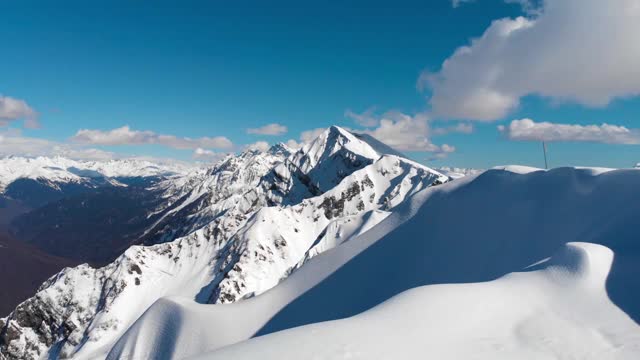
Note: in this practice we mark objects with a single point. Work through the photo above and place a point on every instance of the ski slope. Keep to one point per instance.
(512, 263)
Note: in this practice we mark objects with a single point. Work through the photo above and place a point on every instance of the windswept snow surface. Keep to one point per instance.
(541, 265)
(559, 311)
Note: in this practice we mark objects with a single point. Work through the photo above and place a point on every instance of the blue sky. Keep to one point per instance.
(215, 69)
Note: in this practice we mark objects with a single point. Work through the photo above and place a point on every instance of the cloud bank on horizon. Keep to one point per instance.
(529, 130)
(269, 129)
(125, 136)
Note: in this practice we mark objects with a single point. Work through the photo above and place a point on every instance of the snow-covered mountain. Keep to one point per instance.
(456, 172)
(223, 234)
(41, 180)
(81, 210)
(515, 263)
(59, 170)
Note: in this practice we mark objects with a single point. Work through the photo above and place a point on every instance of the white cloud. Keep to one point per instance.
(305, 138)
(12, 143)
(294, 144)
(529, 130)
(367, 118)
(443, 152)
(269, 129)
(12, 109)
(462, 128)
(258, 145)
(310, 135)
(200, 152)
(581, 51)
(404, 132)
(407, 133)
(125, 136)
(207, 155)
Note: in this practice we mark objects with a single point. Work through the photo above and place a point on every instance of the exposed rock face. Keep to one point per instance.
(225, 234)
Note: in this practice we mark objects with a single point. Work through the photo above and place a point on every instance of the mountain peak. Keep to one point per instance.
(339, 130)
(334, 140)
(280, 149)
(334, 154)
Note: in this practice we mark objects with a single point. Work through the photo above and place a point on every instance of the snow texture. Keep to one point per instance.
(540, 264)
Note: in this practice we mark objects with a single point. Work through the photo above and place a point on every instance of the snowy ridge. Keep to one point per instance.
(198, 198)
(572, 300)
(243, 225)
(52, 169)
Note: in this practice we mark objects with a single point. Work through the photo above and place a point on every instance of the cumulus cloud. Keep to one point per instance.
(581, 51)
(12, 109)
(529, 130)
(200, 152)
(258, 145)
(404, 132)
(13, 143)
(461, 128)
(206, 155)
(269, 129)
(310, 135)
(294, 144)
(442, 152)
(407, 133)
(367, 118)
(305, 138)
(126, 136)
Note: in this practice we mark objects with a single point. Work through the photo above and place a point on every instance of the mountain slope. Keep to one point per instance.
(586, 296)
(242, 227)
(58, 170)
(35, 182)
(85, 210)
(93, 226)
(24, 268)
(450, 321)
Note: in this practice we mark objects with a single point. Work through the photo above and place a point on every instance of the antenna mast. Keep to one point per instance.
(544, 150)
